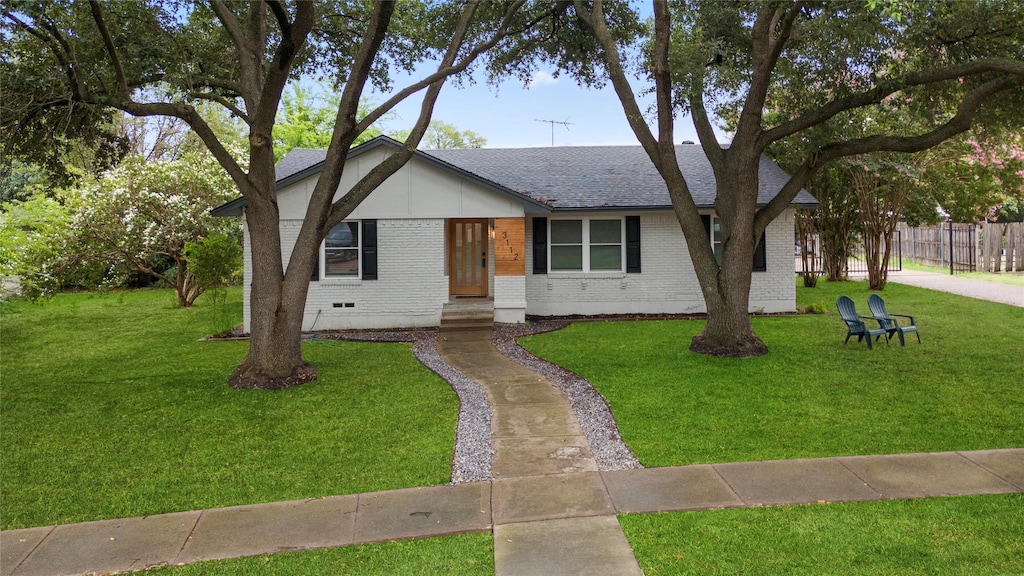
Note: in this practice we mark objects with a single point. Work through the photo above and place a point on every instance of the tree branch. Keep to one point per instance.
(662, 73)
(238, 112)
(381, 172)
(613, 64)
(280, 13)
(277, 75)
(766, 50)
(442, 71)
(702, 123)
(61, 51)
(221, 83)
(231, 26)
(959, 123)
(886, 88)
(108, 44)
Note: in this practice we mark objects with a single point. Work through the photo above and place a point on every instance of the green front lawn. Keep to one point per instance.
(112, 407)
(811, 396)
(977, 535)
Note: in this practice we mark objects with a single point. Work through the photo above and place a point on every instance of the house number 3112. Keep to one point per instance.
(511, 248)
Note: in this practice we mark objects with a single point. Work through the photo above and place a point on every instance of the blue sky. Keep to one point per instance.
(506, 115)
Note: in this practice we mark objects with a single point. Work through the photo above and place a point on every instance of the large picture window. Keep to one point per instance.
(341, 251)
(586, 245)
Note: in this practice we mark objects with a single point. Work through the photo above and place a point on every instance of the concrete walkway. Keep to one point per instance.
(980, 289)
(551, 511)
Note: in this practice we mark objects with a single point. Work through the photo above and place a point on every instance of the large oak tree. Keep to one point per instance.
(67, 64)
(818, 62)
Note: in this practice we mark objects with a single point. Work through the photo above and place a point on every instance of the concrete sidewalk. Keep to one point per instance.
(980, 289)
(576, 506)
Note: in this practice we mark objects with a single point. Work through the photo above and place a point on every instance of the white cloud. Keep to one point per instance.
(541, 78)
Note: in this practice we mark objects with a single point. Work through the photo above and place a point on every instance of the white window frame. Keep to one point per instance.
(716, 241)
(586, 245)
(359, 255)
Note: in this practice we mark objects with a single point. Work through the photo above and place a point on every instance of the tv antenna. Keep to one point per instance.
(553, 122)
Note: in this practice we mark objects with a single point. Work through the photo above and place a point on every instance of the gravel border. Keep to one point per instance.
(592, 411)
(473, 450)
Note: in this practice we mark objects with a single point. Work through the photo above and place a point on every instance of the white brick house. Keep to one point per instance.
(537, 231)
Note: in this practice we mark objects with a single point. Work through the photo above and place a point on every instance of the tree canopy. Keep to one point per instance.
(441, 135)
(74, 63)
(811, 66)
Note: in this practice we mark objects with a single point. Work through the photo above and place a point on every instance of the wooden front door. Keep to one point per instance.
(467, 257)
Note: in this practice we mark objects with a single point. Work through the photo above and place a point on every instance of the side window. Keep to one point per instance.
(341, 251)
(606, 244)
(566, 245)
(714, 229)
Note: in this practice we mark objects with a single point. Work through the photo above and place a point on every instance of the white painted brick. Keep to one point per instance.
(667, 283)
(413, 286)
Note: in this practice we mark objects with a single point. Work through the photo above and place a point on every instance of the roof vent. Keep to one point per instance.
(687, 142)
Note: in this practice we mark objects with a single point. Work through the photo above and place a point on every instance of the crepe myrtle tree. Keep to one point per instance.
(143, 214)
(817, 62)
(153, 58)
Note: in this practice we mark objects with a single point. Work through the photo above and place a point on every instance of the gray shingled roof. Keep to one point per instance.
(576, 177)
(588, 177)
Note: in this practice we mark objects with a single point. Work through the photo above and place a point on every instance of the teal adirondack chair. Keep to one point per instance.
(889, 322)
(855, 324)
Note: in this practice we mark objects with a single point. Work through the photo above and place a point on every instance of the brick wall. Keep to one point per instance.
(667, 283)
(412, 285)
(410, 290)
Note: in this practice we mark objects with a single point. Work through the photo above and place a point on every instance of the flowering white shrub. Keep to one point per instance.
(134, 218)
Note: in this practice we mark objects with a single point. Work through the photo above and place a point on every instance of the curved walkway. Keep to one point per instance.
(551, 508)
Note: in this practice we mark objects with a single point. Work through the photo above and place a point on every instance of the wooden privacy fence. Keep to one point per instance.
(1002, 247)
(966, 247)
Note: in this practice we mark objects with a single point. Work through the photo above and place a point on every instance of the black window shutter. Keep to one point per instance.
(369, 253)
(706, 221)
(760, 256)
(315, 277)
(540, 245)
(632, 244)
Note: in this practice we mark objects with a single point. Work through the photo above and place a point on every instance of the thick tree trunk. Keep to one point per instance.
(728, 331)
(726, 287)
(275, 358)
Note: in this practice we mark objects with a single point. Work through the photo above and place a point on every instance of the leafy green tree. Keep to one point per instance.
(818, 62)
(307, 121)
(883, 190)
(444, 136)
(152, 58)
(19, 180)
(33, 232)
(215, 261)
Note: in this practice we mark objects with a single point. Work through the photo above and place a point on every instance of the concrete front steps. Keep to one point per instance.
(468, 318)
